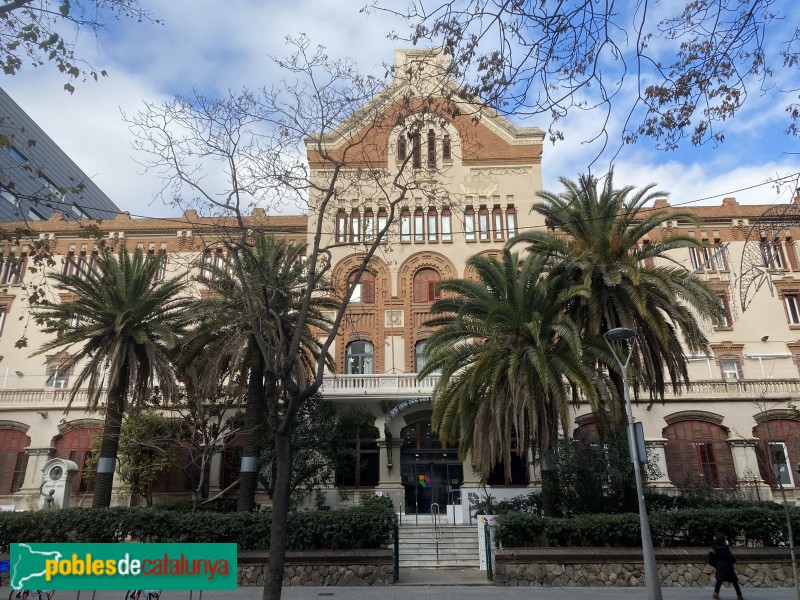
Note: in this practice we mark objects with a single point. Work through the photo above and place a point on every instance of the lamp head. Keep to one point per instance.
(619, 334)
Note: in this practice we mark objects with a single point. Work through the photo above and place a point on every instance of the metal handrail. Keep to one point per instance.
(437, 532)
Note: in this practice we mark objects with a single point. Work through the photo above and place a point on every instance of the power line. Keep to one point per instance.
(184, 221)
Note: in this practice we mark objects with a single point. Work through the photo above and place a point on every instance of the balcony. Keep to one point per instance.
(353, 386)
(389, 386)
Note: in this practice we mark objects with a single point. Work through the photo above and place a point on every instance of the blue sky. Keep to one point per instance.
(201, 45)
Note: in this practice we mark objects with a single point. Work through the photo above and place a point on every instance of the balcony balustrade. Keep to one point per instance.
(407, 385)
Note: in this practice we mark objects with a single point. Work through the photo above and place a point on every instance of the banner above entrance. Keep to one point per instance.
(422, 401)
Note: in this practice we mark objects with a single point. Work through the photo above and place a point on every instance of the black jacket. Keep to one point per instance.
(725, 562)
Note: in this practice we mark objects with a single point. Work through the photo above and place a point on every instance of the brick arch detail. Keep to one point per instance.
(422, 260)
(363, 321)
(376, 266)
(469, 270)
(14, 425)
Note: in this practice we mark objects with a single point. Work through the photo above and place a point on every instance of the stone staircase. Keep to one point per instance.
(457, 546)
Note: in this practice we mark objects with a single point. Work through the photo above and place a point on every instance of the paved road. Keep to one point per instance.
(454, 593)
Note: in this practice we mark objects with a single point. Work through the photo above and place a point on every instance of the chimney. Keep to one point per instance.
(661, 203)
(729, 202)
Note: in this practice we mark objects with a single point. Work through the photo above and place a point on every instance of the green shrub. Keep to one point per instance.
(368, 525)
(750, 526)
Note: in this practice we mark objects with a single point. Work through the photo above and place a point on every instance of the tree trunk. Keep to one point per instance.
(110, 442)
(253, 431)
(279, 536)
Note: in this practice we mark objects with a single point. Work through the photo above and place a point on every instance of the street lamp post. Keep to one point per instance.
(652, 579)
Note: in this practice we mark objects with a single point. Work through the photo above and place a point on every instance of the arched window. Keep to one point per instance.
(364, 292)
(425, 281)
(698, 451)
(13, 460)
(359, 358)
(76, 445)
(778, 451)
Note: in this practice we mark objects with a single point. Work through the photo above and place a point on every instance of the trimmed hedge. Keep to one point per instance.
(751, 526)
(369, 525)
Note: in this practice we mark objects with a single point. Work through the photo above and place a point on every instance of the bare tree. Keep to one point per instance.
(320, 142)
(33, 31)
(672, 71)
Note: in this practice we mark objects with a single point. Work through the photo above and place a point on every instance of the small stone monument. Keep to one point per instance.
(58, 475)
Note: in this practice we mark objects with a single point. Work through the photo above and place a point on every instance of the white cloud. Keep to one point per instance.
(201, 44)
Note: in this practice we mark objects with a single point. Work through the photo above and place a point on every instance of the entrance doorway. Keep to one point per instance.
(430, 471)
(426, 483)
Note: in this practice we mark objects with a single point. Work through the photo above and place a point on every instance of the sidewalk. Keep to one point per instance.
(456, 593)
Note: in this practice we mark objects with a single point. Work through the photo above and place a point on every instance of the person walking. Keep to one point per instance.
(724, 561)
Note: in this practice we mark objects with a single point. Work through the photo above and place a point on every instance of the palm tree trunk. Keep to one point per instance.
(110, 443)
(253, 430)
(273, 582)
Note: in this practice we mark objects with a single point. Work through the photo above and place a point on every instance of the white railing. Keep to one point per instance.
(406, 384)
(41, 398)
(396, 383)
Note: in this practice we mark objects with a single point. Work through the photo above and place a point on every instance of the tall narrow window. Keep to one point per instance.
(511, 221)
(220, 262)
(483, 223)
(419, 226)
(416, 151)
(401, 148)
(431, 149)
(383, 218)
(719, 256)
(369, 225)
(13, 268)
(433, 232)
(792, 302)
(206, 270)
(497, 216)
(341, 226)
(779, 461)
(694, 258)
(2, 319)
(727, 316)
(447, 225)
(708, 464)
(446, 148)
(69, 263)
(469, 224)
(355, 230)
(405, 225)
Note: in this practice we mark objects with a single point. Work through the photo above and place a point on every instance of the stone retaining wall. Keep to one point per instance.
(321, 568)
(622, 567)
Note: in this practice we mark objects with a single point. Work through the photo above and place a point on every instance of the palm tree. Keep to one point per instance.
(596, 246)
(506, 351)
(122, 323)
(272, 277)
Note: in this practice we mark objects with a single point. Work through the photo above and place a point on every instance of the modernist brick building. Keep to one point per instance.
(486, 174)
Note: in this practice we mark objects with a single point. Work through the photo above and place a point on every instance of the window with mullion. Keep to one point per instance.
(433, 233)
